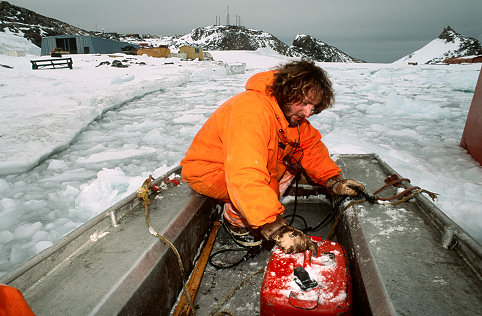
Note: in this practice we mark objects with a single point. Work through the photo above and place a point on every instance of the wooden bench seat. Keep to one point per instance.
(53, 63)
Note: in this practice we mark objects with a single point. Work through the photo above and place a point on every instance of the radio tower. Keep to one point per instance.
(227, 17)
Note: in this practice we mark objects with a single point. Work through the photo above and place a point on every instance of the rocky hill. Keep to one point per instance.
(305, 46)
(448, 44)
(230, 37)
(31, 25)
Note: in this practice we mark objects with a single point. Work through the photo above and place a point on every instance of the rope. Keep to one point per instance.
(143, 193)
(402, 196)
(338, 218)
(213, 313)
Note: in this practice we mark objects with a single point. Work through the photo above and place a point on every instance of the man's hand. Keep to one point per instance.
(293, 240)
(341, 186)
(290, 239)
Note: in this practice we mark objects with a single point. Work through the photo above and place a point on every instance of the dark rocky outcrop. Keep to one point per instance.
(305, 46)
(32, 25)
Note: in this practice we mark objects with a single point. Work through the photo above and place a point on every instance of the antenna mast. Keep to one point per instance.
(227, 17)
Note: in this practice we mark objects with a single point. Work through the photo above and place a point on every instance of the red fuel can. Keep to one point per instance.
(299, 284)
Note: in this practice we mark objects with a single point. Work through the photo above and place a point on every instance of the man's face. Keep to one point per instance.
(296, 111)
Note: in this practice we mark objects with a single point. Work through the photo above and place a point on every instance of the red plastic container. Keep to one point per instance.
(330, 293)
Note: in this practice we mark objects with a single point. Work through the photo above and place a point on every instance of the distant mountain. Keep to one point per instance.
(34, 26)
(305, 46)
(448, 44)
(230, 37)
(31, 25)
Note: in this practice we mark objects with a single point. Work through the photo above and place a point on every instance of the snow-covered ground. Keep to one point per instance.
(74, 142)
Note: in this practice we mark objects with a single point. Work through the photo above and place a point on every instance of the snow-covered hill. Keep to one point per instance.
(448, 44)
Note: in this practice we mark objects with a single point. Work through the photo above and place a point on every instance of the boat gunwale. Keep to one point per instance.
(41, 265)
(466, 247)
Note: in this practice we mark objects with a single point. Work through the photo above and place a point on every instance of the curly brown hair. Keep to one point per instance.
(294, 80)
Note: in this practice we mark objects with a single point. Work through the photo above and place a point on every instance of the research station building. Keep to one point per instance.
(81, 44)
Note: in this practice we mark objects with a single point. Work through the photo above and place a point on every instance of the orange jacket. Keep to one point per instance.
(240, 142)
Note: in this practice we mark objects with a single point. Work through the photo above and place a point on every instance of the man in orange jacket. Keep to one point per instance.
(255, 142)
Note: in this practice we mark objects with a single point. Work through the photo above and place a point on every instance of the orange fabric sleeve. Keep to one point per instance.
(252, 190)
(12, 302)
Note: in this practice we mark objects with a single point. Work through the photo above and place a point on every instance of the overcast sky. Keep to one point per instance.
(373, 30)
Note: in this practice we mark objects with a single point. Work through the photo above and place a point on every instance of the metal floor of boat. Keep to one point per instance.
(218, 283)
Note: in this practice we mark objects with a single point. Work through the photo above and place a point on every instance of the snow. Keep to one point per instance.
(10, 41)
(74, 142)
(323, 269)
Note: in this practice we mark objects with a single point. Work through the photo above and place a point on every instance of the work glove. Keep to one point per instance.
(290, 239)
(340, 186)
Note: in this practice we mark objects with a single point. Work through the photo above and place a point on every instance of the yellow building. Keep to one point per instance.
(192, 52)
(161, 51)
